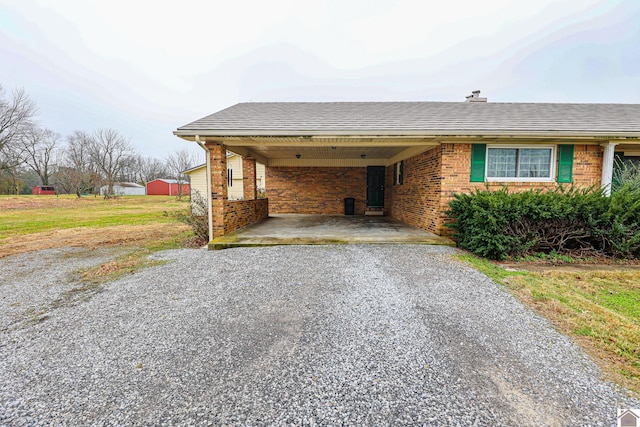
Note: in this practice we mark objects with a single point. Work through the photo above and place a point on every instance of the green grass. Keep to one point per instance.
(45, 214)
(490, 269)
(600, 309)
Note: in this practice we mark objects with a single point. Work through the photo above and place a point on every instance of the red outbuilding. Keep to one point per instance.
(43, 190)
(167, 187)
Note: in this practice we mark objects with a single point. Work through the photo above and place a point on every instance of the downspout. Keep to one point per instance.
(209, 201)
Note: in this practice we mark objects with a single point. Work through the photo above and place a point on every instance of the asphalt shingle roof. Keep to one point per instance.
(409, 118)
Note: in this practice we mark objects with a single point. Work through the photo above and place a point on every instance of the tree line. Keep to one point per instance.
(79, 163)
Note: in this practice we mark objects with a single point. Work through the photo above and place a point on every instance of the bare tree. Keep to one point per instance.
(17, 114)
(178, 162)
(109, 153)
(11, 180)
(151, 168)
(130, 171)
(76, 173)
(39, 146)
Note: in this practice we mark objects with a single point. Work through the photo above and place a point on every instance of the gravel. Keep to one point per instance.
(324, 335)
(31, 282)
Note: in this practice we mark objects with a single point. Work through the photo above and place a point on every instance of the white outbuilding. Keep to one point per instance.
(125, 189)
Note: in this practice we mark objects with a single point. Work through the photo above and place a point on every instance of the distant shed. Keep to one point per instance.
(167, 187)
(125, 189)
(43, 190)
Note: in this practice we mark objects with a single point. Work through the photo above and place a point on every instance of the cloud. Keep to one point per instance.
(146, 68)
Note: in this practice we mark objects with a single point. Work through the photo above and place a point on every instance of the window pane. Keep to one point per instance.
(535, 163)
(501, 162)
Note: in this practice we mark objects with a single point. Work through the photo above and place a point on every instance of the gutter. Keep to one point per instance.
(435, 133)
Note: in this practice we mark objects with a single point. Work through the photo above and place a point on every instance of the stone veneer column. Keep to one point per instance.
(249, 178)
(218, 160)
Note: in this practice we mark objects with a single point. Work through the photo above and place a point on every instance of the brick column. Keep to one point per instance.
(249, 178)
(218, 159)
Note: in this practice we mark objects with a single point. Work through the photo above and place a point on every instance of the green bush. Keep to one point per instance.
(625, 173)
(500, 224)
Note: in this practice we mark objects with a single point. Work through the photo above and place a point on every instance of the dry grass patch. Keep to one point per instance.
(33, 223)
(91, 238)
(121, 266)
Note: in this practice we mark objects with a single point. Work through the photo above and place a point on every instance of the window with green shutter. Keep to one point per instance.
(565, 163)
(478, 160)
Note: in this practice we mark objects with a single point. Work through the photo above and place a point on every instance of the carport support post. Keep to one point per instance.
(607, 166)
(218, 162)
(249, 178)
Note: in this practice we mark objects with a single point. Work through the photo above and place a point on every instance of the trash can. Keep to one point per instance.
(349, 205)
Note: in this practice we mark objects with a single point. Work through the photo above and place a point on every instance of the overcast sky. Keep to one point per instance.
(147, 67)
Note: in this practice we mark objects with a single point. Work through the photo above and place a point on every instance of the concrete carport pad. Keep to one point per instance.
(300, 335)
(306, 229)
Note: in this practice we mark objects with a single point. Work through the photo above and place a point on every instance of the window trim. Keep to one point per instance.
(552, 166)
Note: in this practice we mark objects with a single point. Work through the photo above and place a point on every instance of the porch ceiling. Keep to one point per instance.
(327, 151)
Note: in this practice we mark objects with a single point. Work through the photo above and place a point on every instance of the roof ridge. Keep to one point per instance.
(424, 102)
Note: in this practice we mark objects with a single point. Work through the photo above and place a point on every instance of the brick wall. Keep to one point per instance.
(240, 213)
(315, 190)
(587, 164)
(417, 200)
(431, 179)
(249, 178)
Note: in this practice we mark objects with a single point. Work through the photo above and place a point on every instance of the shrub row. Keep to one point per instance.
(500, 224)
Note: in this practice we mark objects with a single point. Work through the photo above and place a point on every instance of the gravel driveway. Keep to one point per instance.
(326, 335)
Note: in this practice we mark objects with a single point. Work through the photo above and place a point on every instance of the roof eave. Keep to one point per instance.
(435, 133)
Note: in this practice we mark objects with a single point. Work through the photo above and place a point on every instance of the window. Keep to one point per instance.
(632, 160)
(229, 177)
(398, 172)
(520, 163)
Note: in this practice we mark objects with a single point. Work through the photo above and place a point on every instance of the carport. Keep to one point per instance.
(311, 167)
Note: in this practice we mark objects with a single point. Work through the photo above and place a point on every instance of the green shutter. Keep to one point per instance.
(401, 173)
(478, 159)
(565, 163)
(395, 173)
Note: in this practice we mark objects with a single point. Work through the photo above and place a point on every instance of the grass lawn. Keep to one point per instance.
(35, 214)
(29, 223)
(599, 309)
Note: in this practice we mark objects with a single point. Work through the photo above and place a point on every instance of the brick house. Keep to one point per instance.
(404, 159)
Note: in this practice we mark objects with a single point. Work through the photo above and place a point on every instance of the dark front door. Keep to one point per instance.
(375, 186)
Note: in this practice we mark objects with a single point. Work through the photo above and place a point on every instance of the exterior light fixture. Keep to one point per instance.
(362, 156)
(298, 156)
